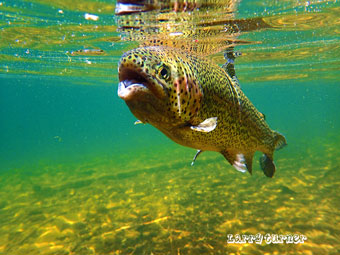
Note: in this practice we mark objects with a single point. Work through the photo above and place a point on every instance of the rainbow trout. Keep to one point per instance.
(196, 104)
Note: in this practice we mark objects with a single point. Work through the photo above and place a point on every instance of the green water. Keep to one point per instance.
(77, 177)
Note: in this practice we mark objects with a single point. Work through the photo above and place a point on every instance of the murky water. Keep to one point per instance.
(77, 177)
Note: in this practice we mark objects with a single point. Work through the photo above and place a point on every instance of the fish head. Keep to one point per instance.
(159, 84)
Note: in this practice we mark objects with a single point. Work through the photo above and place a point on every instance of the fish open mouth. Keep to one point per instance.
(133, 83)
(130, 83)
(130, 77)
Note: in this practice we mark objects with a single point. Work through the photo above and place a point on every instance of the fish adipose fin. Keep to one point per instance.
(206, 126)
(263, 116)
(241, 162)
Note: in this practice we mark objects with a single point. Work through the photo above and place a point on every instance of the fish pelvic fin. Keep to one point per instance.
(195, 157)
(279, 141)
(240, 161)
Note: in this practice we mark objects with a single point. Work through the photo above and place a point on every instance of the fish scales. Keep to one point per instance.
(196, 104)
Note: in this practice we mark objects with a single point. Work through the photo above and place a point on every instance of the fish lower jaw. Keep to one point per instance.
(128, 89)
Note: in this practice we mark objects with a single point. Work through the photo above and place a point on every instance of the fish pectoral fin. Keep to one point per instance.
(240, 161)
(195, 157)
(206, 126)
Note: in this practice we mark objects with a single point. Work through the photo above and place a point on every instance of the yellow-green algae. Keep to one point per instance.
(158, 204)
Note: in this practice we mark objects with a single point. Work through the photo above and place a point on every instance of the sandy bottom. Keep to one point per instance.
(161, 205)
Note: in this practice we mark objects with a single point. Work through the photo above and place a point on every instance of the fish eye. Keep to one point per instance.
(164, 72)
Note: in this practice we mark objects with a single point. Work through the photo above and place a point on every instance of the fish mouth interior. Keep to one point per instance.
(130, 77)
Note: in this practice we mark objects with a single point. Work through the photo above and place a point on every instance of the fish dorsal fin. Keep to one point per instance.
(206, 126)
(240, 161)
(235, 83)
(229, 66)
(229, 70)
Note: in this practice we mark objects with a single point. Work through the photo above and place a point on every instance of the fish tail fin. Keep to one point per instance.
(240, 161)
(266, 161)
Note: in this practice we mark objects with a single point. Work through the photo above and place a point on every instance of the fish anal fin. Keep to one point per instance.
(249, 161)
(240, 161)
(267, 165)
(206, 126)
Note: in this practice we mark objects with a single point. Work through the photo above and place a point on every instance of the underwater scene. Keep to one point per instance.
(79, 175)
